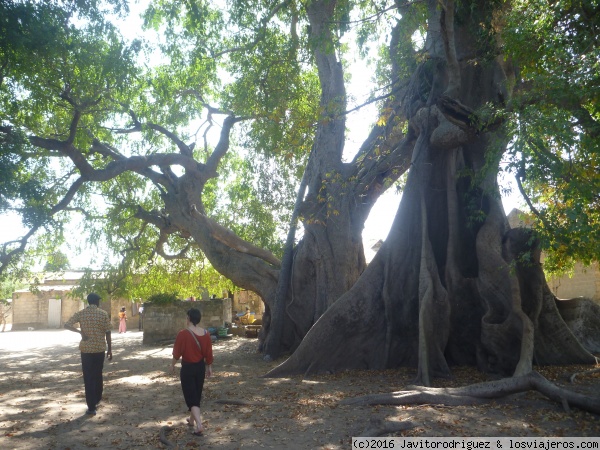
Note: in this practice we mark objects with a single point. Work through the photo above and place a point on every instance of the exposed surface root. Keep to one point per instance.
(163, 436)
(584, 373)
(481, 392)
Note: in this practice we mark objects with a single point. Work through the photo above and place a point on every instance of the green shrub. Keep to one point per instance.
(163, 298)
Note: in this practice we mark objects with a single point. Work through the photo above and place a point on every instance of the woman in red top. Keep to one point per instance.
(194, 346)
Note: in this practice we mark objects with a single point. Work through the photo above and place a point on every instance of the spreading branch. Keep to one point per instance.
(9, 252)
(230, 239)
(160, 248)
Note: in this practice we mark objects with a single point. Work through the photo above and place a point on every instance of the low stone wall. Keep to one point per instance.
(163, 322)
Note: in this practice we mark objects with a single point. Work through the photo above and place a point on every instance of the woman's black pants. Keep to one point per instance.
(192, 382)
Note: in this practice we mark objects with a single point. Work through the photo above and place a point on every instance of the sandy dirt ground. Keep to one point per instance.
(42, 401)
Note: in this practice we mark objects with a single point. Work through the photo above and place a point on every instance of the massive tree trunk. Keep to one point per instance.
(330, 257)
(448, 286)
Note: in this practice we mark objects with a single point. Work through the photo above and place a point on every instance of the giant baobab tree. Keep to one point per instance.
(452, 284)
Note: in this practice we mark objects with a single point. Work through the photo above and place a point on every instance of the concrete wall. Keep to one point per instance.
(70, 306)
(30, 310)
(163, 322)
(584, 283)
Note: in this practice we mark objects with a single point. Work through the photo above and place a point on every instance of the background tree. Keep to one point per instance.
(57, 262)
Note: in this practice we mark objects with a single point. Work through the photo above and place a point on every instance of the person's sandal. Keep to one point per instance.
(198, 433)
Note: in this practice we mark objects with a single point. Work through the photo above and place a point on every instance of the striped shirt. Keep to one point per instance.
(94, 323)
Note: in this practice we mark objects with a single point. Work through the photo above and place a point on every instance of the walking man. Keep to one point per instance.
(94, 327)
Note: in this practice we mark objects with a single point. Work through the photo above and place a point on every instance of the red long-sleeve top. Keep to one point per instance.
(186, 348)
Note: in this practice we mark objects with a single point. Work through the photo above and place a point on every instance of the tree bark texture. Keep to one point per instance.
(448, 287)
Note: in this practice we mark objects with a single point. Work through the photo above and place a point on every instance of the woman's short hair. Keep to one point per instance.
(194, 316)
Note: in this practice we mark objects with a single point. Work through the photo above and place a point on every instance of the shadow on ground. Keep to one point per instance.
(43, 406)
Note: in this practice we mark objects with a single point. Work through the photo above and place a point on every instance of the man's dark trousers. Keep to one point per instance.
(92, 365)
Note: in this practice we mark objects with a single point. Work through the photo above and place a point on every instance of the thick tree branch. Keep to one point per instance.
(223, 146)
(68, 196)
(156, 218)
(383, 159)
(231, 240)
(447, 27)
(105, 150)
(160, 248)
(138, 164)
(8, 254)
(73, 127)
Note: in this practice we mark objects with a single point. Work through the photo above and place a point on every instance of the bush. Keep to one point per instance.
(163, 299)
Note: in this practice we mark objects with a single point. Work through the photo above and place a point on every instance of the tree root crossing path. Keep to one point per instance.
(42, 401)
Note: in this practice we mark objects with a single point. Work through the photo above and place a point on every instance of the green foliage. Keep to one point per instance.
(190, 276)
(22, 186)
(53, 55)
(8, 286)
(163, 298)
(556, 123)
(57, 261)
